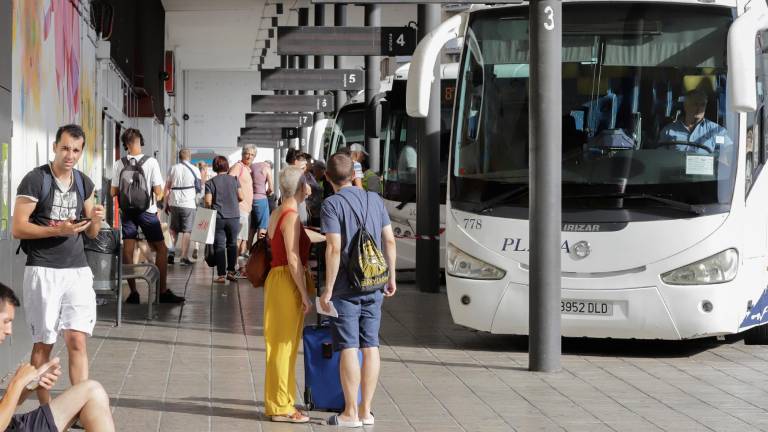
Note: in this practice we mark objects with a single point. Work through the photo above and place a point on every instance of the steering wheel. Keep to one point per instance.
(680, 143)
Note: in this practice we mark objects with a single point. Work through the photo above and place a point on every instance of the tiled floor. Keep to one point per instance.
(200, 368)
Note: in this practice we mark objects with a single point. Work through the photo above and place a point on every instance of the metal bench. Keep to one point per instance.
(109, 273)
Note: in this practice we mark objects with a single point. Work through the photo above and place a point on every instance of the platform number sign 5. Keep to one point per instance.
(549, 18)
(350, 79)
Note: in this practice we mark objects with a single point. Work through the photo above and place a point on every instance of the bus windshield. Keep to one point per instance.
(348, 128)
(644, 109)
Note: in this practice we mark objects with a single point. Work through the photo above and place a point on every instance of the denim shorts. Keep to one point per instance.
(260, 214)
(148, 222)
(359, 320)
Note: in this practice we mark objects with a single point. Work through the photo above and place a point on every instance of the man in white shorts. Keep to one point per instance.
(54, 206)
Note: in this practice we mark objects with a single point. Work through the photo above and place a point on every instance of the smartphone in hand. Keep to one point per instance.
(44, 369)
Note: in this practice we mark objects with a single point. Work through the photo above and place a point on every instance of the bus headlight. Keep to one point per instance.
(718, 268)
(459, 264)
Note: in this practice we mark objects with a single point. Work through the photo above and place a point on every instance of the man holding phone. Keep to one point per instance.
(54, 206)
(86, 400)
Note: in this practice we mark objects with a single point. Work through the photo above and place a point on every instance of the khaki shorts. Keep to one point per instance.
(243, 233)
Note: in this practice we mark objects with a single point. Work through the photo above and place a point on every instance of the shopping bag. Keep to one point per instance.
(204, 226)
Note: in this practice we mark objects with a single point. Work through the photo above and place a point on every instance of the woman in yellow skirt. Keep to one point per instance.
(287, 293)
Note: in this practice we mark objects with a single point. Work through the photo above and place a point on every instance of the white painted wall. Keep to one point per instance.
(216, 102)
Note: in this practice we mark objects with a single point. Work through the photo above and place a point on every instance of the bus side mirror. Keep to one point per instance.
(741, 57)
(421, 72)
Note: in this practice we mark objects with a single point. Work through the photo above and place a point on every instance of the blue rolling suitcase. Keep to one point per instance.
(322, 383)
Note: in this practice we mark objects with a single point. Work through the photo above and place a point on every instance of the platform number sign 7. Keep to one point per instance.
(305, 120)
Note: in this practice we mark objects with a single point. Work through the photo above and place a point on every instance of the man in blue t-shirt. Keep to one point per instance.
(357, 326)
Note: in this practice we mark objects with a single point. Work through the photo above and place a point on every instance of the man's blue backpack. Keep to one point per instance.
(198, 184)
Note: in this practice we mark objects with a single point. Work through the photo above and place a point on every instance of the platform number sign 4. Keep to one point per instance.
(398, 40)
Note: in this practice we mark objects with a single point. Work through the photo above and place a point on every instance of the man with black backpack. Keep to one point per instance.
(358, 276)
(54, 205)
(137, 182)
(182, 189)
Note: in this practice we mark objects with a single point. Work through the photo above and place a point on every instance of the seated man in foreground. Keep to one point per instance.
(86, 400)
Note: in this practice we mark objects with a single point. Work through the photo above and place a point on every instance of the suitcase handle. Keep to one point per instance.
(327, 350)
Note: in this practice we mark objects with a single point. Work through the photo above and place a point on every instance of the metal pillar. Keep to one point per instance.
(339, 20)
(303, 137)
(284, 64)
(428, 172)
(545, 202)
(372, 78)
(319, 61)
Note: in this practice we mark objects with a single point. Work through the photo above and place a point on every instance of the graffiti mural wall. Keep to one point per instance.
(54, 82)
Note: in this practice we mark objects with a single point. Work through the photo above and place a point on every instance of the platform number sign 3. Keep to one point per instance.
(549, 18)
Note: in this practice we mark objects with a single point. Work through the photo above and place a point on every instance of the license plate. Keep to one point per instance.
(585, 307)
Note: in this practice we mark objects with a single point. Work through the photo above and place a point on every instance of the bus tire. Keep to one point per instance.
(756, 335)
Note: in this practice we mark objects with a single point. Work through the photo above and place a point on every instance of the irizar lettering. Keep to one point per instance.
(581, 227)
(516, 245)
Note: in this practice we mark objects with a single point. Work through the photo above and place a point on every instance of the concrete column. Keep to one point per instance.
(372, 79)
(428, 172)
(545, 177)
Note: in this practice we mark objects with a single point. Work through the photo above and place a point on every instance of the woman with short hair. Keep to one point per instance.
(287, 292)
(222, 193)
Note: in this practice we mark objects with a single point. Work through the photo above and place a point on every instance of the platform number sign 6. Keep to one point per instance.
(549, 18)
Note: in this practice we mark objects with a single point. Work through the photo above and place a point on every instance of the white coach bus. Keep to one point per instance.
(665, 205)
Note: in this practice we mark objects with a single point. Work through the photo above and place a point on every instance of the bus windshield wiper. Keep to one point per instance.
(677, 205)
(488, 205)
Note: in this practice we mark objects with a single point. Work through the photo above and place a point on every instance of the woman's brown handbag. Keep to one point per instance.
(258, 265)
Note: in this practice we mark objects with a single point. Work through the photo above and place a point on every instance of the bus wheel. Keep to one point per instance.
(757, 335)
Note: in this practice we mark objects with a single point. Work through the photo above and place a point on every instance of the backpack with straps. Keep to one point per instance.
(198, 185)
(133, 193)
(45, 191)
(367, 269)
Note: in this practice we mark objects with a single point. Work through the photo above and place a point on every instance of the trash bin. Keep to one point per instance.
(103, 259)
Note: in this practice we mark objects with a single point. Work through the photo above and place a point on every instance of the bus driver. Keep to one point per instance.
(704, 136)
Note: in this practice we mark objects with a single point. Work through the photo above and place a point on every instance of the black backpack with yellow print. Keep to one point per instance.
(367, 269)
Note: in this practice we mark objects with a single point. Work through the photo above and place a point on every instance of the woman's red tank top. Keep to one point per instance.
(279, 257)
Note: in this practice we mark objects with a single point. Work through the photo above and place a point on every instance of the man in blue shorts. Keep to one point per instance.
(261, 174)
(86, 400)
(143, 218)
(357, 326)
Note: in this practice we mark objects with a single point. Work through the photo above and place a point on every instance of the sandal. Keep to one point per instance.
(337, 421)
(220, 279)
(296, 417)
